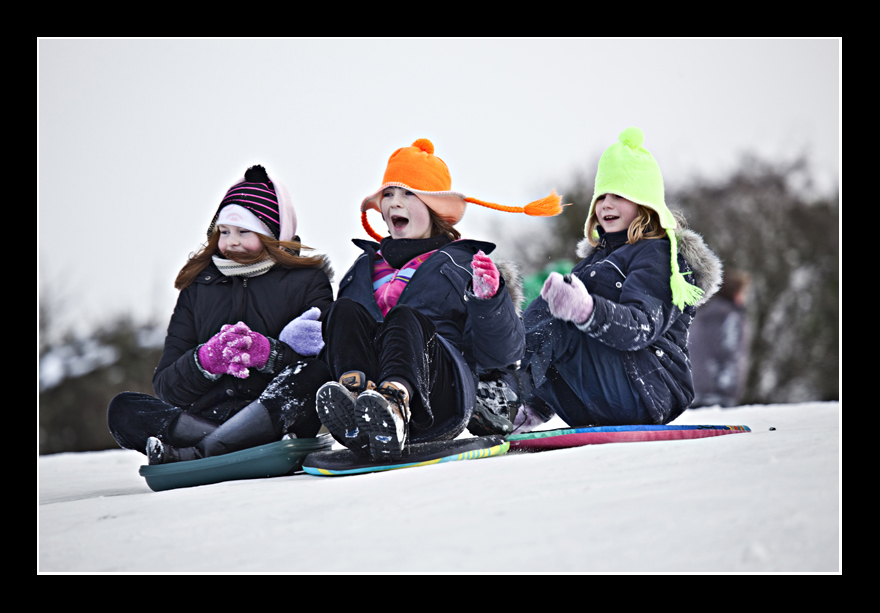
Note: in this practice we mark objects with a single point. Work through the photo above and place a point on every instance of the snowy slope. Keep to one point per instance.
(765, 501)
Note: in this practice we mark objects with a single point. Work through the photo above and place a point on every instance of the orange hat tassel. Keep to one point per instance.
(545, 207)
(368, 227)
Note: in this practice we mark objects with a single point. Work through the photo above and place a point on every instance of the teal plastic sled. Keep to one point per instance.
(270, 460)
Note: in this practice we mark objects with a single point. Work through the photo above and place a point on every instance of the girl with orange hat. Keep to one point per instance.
(418, 315)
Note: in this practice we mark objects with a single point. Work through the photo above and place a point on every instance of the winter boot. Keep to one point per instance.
(189, 430)
(163, 453)
(495, 409)
(248, 428)
(336, 409)
(383, 415)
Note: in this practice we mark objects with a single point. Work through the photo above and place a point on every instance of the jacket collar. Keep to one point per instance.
(609, 241)
(397, 252)
(706, 266)
(371, 247)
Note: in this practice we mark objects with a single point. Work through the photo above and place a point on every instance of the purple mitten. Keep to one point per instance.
(567, 300)
(303, 334)
(232, 350)
(486, 278)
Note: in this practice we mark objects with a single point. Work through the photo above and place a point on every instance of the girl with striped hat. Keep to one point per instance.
(239, 367)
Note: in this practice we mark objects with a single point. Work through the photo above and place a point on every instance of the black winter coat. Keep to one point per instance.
(633, 313)
(266, 303)
(479, 335)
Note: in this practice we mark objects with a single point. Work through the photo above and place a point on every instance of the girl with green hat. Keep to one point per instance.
(607, 345)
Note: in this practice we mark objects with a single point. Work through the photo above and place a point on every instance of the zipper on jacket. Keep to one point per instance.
(240, 303)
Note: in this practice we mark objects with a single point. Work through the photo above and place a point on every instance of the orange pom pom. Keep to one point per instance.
(425, 145)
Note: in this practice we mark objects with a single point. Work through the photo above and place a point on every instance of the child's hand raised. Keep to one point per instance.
(303, 334)
(486, 277)
(567, 298)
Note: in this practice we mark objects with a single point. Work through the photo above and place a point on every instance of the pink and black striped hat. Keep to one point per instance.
(266, 199)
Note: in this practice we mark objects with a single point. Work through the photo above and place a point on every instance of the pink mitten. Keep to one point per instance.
(567, 300)
(232, 350)
(486, 277)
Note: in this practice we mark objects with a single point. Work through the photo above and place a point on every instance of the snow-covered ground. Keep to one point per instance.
(765, 501)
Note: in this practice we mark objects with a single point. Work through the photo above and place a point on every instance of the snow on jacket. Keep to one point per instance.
(633, 313)
(266, 303)
(479, 335)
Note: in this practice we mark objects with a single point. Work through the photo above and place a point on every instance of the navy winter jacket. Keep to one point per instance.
(632, 313)
(266, 303)
(479, 335)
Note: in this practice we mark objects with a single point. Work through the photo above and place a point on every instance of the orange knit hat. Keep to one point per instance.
(417, 169)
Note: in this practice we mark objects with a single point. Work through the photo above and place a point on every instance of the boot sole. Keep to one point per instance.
(374, 419)
(336, 410)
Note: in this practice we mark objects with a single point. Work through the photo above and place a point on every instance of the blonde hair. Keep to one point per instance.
(284, 253)
(646, 225)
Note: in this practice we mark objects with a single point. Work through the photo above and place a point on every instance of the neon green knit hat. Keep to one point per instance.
(629, 170)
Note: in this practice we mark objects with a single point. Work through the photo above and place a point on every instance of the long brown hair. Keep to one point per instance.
(645, 225)
(286, 253)
(439, 226)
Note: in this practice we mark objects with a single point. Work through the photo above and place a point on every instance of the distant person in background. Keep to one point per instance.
(719, 344)
(238, 368)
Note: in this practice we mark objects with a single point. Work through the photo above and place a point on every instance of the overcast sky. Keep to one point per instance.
(138, 140)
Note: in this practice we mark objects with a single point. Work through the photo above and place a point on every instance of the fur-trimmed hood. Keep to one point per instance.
(513, 279)
(707, 267)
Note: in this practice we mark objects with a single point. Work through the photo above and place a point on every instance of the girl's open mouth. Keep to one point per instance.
(399, 222)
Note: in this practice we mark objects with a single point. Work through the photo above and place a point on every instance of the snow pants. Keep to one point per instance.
(579, 378)
(403, 347)
(289, 399)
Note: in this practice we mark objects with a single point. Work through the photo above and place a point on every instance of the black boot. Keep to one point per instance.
(189, 430)
(164, 453)
(496, 406)
(248, 428)
(335, 408)
(383, 416)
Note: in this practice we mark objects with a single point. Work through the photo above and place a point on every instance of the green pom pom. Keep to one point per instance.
(632, 137)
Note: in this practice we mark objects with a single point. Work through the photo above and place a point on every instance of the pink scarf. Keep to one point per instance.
(389, 283)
